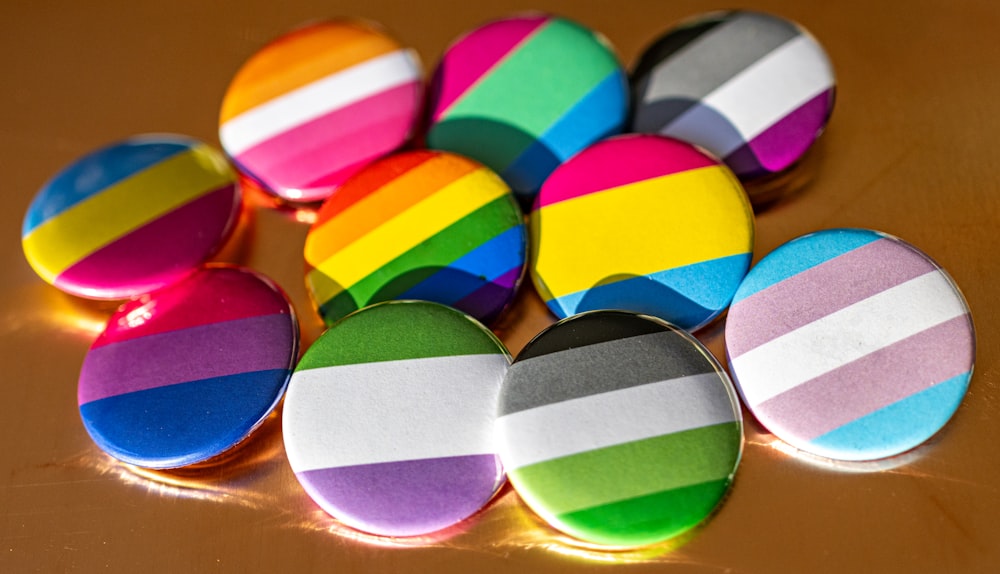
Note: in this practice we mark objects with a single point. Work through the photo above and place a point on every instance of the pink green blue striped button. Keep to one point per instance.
(318, 104)
(389, 415)
(131, 217)
(850, 344)
(618, 428)
(183, 374)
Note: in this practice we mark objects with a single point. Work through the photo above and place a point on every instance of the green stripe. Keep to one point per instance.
(423, 260)
(631, 469)
(400, 330)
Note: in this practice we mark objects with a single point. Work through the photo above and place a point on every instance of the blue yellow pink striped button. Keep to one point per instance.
(618, 428)
(389, 415)
(850, 344)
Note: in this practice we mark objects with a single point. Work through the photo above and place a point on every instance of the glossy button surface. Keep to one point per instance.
(418, 225)
(525, 93)
(850, 344)
(389, 415)
(641, 223)
(752, 88)
(319, 103)
(131, 217)
(182, 374)
(618, 428)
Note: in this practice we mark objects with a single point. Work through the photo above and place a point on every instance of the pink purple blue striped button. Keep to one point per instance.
(131, 217)
(850, 344)
(389, 416)
(318, 104)
(185, 373)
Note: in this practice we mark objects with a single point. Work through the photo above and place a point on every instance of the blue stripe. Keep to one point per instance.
(895, 428)
(177, 425)
(801, 254)
(96, 172)
(688, 296)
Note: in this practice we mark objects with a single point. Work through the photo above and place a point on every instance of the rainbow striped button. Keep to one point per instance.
(618, 428)
(418, 225)
(751, 88)
(131, 217)
(523, 94)
(183, 374)
(850, 344)
(389, 416)
(318, 104)
(641, 223)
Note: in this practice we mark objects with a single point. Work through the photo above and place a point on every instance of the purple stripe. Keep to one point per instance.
(872, 382)
(489, 300)
(822, 290)
(782, 144)
(214, 350)
(405, 498)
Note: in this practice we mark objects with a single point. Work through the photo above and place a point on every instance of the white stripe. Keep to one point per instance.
(392, 411)
(607, 419)
(760, 95)
(318, 98)
(846, 335)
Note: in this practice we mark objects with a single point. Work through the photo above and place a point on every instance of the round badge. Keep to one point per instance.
(525, 93)
(419, 225)
(183, 374)
(641, 223)
(753, 89)
(131, 217)
(318, 104)
(389, 415)
(618, 428)
(850, 344)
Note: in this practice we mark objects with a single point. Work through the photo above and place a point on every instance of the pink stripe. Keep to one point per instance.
(782, 144)
(474, 55)
(872, 382)
(620, 161)
(822, 290)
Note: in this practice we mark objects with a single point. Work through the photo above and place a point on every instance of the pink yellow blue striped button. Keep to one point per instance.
(389, 416)
(319, 103)
(850, 344)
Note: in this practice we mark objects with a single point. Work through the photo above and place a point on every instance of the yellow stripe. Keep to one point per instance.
(666, 222)
(62, 241)
(405, 231)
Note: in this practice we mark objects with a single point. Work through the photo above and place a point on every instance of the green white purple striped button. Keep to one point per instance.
(619, 429)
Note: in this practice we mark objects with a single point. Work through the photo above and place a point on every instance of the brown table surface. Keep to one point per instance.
(910, 151)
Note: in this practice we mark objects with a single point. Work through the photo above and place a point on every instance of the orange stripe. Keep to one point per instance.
(302, 57)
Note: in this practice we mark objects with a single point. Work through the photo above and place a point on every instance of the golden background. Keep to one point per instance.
(911, 150)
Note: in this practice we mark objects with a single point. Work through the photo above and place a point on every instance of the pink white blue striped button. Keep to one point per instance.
(389, 416)
(183, 374)
(850, 344)
(318, 104)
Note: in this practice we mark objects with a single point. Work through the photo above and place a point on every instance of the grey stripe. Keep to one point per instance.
(599, 368)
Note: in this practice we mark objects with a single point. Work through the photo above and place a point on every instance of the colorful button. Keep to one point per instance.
(523, 94)
(318, 104)
(618, 428)
(389, 416)
(183, 374)
(751, 88)
(642, 223)
(131, 217)
(850, 344)
(419, 225)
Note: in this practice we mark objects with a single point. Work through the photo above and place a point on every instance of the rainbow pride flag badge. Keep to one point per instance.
(641, 223)
(418, 225)
(850, 344)
(131, 217)
(185, 373)
(619, 429)
(389, 417)
(525, 93)
(319, 103)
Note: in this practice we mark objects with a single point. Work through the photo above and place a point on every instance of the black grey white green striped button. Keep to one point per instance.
(618, 428)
